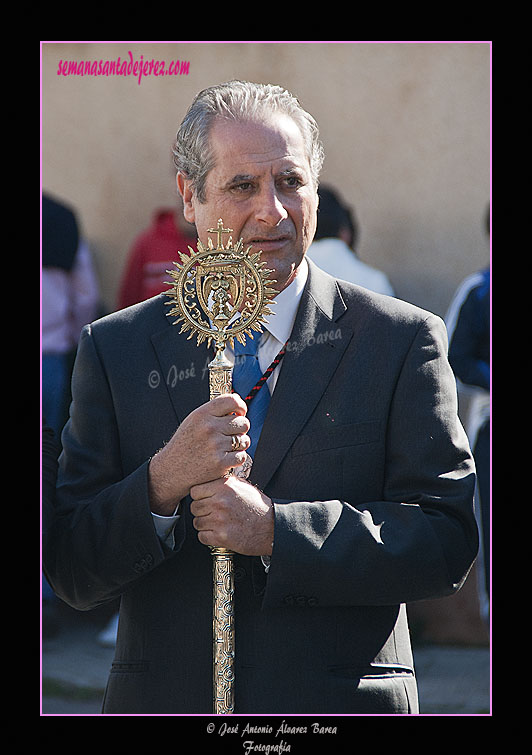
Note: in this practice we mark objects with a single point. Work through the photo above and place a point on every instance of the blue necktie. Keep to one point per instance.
(246, 374)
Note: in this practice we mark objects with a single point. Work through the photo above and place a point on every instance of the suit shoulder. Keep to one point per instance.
(149, 313)
(383, 307)
(128, 329)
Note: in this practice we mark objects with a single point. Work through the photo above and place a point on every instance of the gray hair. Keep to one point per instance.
(238, 100)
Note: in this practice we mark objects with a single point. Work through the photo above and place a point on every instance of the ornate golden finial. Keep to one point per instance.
(220, 294)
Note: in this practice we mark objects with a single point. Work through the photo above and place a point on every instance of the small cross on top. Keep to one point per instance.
(219, 230)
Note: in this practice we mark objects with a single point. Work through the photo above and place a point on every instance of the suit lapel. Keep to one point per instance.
(183, 368)
(315, 349)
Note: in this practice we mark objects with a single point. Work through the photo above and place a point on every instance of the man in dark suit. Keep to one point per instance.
(360, 494)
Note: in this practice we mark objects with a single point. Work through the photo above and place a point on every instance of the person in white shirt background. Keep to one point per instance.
(335, 243)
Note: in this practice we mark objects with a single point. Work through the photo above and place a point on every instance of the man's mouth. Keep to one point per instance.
(268, 242)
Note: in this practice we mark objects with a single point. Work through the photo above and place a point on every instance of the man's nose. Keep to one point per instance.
(270, 209)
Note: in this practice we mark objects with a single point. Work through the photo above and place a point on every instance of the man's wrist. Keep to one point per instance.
(163, 496)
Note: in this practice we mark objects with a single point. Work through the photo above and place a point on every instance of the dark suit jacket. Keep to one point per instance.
(372, 480)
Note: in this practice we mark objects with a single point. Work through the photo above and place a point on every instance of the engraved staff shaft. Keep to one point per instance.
(210, 288)
(223, 619)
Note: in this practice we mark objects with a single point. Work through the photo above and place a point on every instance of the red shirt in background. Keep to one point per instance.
(153, 253)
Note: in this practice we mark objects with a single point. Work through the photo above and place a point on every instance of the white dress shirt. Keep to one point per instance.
(276, 333)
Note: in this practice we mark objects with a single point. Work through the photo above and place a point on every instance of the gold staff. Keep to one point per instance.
(221, 294)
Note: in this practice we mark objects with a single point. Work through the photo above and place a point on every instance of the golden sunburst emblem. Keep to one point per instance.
(220, 293)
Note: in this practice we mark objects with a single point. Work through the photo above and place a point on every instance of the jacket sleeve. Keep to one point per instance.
(417, 543)
(101, 535)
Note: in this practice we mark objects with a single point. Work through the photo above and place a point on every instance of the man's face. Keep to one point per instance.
(261, 186)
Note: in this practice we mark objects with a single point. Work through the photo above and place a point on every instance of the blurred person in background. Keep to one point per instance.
(469, 328)
(335, 244)
(153, 253)
(70, 300)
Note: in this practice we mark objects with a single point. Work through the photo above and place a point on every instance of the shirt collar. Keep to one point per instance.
(285, 306)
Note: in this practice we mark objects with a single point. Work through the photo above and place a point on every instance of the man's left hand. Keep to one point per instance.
(231, 513)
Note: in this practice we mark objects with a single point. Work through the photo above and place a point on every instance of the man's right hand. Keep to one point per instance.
(198, 452)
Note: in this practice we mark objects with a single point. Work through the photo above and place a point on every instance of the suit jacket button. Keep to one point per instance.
(239, 573)
(143, 564)
(288, 600)
(312, 602)
(301, 600)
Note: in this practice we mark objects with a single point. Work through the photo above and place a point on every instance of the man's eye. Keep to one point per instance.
(292, 182)
(243, 187)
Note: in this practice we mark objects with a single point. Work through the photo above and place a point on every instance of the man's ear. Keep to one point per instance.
(185, 189)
